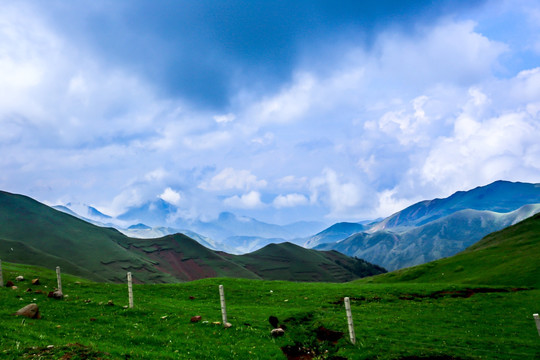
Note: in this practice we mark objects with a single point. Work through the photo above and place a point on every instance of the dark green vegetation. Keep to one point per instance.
(392, 321)
(35, 234)
(507, 257)
(433, 229)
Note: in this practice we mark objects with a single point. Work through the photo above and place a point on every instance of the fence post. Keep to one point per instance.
(130, 290)
(349, 320)
(223, 309)
(1, 275)
(537, 320)
(59, 279)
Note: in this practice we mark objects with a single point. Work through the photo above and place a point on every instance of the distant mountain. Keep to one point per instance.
(433, 229)
(226, 229)
(334, 234)
(33, 233)
(507, 257)
(500, 197)
(143, 231)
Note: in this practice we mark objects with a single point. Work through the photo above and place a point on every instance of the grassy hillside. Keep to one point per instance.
(43, 236)
(510, 257)
(392, 321)
(278, 261)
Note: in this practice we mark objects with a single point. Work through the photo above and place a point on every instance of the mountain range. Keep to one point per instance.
(438, 228)
(36, 234)
(422, 232)
(229, 232)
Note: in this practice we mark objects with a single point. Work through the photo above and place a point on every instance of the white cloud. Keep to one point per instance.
(290, 200)
(251, 200)
(340, 197)
(171, 196)
(156, 175)
(230, 178)
(481, 150)
(223, 119)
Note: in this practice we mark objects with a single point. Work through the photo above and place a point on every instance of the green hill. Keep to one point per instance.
(33, 233)
(507, 257)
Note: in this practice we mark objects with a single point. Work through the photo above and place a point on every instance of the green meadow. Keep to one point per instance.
(392, 321)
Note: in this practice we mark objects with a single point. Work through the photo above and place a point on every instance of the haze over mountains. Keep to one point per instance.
(422, 232)
(33, 233)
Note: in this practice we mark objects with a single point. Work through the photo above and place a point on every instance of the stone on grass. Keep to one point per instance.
(9, 283)
(14, 287)
(35, 281)
(31, 311)
(277, 332)
(196, 319)
(57, 294)
(19, 278)
(227, 325)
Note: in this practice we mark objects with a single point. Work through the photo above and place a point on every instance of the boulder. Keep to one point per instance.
(31, 311)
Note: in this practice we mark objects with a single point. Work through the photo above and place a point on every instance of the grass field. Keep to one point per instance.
(392, 321)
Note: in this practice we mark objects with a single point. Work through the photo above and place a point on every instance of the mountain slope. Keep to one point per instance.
(274, 261)
(507, 257)
(35, 234)
(83, 245)
(440, 238)
(499, 196)
(334, 233)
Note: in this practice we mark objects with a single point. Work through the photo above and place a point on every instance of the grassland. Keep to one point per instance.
(392, 321)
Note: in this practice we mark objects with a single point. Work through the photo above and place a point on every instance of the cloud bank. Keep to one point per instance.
(280, 111)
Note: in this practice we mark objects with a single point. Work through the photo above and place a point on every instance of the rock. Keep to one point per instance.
(14, 287)
(31, 311)
(227, 325)
(57, 294)
(196, 319)
(110, 303)
(9, 283)
(28, 290)
(277, 332)
(35, 281)
(19, 278)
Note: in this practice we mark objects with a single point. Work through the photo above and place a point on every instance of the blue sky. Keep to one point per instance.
(278, 110)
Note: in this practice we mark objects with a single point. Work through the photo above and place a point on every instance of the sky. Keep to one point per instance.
(278, 110)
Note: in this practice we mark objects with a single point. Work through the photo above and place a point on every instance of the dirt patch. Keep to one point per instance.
(465, 293)
(430, 357)
(65, 352)
(357, 299)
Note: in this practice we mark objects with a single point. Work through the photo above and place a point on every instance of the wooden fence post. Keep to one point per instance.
(1, 275)
(537, 320)
(349, 320)
(223, 309)
(130, 290)
(59, 279)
